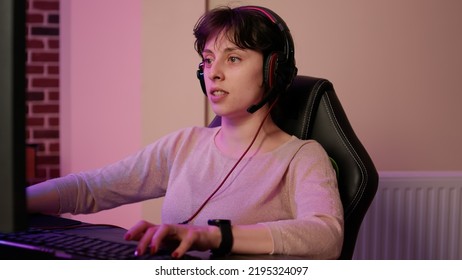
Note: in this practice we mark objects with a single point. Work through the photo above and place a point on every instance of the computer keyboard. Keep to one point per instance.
(64, 244)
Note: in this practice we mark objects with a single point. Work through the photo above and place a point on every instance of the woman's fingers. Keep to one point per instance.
(143, 232)
(146, 241)
(161, 234)
(137, 231)
(165, 234)
(186, 243)
(155, 236)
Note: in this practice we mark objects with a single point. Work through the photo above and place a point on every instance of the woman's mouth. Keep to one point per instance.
(219, 93)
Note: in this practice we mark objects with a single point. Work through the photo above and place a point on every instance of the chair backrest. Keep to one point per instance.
(311, 110)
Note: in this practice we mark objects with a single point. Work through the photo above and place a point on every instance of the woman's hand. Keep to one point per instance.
(185, 237)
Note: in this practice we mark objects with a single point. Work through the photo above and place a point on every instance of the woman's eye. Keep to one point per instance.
(207, 61)
(234, 59)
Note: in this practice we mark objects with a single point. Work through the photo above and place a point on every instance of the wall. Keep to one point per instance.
(101, 93)
(42, 127)
(396, 66)
(128, 77)
(171, 95)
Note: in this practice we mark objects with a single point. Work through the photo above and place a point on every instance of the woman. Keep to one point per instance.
(244, 187)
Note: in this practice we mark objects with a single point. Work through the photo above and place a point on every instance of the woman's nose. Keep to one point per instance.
(215, 71)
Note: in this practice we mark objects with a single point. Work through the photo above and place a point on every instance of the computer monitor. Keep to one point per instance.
(12, 115)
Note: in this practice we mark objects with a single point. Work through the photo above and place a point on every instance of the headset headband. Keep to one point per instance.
(279, 22)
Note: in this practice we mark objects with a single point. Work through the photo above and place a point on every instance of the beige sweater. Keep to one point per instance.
(292, 190)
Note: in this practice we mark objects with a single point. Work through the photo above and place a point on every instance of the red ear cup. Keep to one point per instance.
(270, 70)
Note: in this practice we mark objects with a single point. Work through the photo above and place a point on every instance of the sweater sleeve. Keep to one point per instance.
(316, 231)
(138, 177)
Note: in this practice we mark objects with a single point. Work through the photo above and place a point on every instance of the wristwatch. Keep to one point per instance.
(226, 243)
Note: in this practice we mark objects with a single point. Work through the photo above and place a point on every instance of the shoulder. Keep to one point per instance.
(308, 152)
(306, 146)
(182, 140)
(189, 136)
(191, 133)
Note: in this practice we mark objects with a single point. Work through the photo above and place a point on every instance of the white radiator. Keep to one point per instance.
(415, 215)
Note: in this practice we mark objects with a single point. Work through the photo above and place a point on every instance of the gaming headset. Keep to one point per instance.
(279, 68)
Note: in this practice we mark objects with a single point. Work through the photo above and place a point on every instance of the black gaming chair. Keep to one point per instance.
(311, 110)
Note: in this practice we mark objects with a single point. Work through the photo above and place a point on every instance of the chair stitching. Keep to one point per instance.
(307, 114)
(357, 159)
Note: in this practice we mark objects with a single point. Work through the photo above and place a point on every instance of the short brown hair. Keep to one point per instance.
(246, 28)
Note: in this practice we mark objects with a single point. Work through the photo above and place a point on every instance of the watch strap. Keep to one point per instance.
(227, 240)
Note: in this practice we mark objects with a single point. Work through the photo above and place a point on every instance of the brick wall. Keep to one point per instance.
(42, 105)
